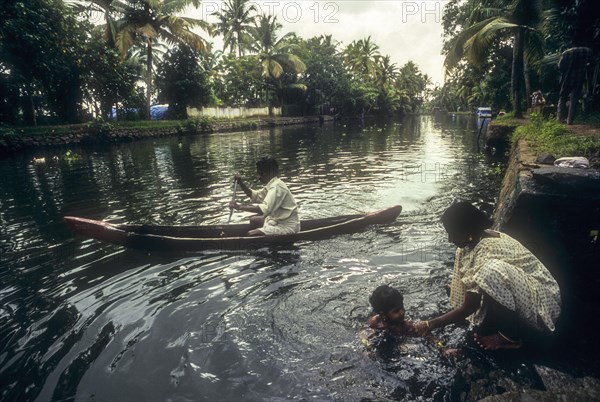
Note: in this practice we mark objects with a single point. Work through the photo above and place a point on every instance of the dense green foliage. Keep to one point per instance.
(54, 67)
(41, 43)
(499, 51)
(108, 80)
(182, 82)
(57, 67)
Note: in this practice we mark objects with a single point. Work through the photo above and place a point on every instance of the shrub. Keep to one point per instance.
(7, 131)
(98, 131)
(194, 126)
(205, 124)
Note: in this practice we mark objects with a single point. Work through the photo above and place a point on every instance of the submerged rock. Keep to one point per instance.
(560, 387)
(576, 389)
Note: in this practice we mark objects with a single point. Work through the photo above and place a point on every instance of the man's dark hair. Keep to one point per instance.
(268, 164)
(385, 298)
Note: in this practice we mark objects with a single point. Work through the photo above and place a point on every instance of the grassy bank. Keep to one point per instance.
(558, 139)
(103, 132)
(200, 124)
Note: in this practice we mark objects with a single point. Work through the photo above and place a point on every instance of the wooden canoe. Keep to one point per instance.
(215, 237)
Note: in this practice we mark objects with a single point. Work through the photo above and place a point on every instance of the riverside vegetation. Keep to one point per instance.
(556, 138)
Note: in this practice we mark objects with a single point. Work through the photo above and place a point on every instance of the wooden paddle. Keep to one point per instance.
(232, 199)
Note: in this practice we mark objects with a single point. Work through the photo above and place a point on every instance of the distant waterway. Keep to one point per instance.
(85, 320)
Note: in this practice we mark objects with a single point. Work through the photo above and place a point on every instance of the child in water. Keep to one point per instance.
(388, 304)
(389, 319)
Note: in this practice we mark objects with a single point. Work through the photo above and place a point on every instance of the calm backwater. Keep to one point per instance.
(85, 320)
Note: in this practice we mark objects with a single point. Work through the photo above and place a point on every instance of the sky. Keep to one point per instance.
(404, 30)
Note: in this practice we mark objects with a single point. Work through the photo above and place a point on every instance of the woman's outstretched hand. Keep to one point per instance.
(418, 328)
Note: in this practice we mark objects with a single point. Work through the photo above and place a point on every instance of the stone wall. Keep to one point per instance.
(541, 203)
(555, 212)
(79, 137)
(498, 133)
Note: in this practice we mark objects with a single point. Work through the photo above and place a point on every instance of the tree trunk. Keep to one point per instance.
(268, 101)
(527, 82)
(148, 79)
(110, 40)
(517, 73)
(73, 99)
(29, 108)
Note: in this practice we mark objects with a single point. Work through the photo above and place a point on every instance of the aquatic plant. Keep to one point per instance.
(71, 156)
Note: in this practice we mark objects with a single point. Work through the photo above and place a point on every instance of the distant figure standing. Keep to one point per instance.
(573, 69)
(538, 102)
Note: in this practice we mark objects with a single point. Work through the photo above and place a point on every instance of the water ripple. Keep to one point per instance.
(86, 320)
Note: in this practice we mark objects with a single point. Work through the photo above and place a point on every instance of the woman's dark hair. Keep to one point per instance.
(268, 164)
(385, 298)
(464, 217)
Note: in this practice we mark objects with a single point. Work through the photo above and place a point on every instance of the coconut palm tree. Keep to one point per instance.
(275, 54)
(386, 72)
(235, 22)
(412, 83)
(110, 9)
(362, 57)
(146, 22)
(517, 18)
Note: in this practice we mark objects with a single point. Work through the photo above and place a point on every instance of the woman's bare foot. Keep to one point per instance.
(496, 341)
(451, 353)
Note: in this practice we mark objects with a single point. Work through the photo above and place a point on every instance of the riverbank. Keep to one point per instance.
(555, 212)
(97, 133)
(546, 135)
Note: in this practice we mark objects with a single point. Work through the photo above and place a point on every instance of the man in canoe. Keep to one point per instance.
(275, 204)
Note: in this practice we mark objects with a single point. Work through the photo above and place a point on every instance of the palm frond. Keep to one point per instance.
(547, 62)
(457, 45)
(481, 12)
(125, 39)
(147, 31)
(189, 38)
(292, 62)
(177, 6)
(271, 68)
(197, 23)
(534, 48)
(477, 46)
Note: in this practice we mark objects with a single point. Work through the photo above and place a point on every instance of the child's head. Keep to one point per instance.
(388, 302)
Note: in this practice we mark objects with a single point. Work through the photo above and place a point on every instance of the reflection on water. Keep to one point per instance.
(93, 321)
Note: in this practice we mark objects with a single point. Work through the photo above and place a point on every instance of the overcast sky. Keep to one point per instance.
(405, 30)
